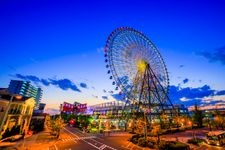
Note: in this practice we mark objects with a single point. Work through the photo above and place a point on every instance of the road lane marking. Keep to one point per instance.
(102, 147)
(89, 142)
(128, 144)
(56, 148)
(80, 138)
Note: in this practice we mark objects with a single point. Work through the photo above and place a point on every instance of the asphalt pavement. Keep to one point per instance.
(73, 139)
(40, 141)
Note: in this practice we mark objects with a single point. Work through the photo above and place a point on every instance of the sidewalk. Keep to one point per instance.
(41, 141)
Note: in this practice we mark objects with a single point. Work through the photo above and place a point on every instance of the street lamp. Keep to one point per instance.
(7, 110)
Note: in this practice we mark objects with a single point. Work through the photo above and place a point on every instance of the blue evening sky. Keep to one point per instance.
(61, 42)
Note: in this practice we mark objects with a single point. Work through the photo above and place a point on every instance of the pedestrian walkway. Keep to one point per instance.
(41, 141)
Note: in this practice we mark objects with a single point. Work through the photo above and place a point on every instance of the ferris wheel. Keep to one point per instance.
(136, 67)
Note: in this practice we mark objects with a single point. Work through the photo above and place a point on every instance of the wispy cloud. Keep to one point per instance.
(193, 95)
(28, 78)
(181, 66)
(177, 92)
(33, 60)
(189, 96)
(45, 82)
(105, 91)
(220, 92)
(105, 97)
(218, 55)
(12, 67)
(83, 85)
(119, 96)
(111, 92)
(100, 50)
(95, 96)
(185, 81)
(63, 84)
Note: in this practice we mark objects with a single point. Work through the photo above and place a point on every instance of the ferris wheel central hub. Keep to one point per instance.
(141, 65)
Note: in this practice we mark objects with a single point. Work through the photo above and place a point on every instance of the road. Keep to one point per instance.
(74, 139)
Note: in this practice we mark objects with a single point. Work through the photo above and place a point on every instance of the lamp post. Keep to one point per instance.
(7, 110)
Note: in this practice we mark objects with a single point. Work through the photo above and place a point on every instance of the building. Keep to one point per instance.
(76, 108)
(40, 110)
(116, 108)
(15, 112)
(37, 122)
(81, 109)
(112, 108)
(67, 108)
(3, 90)
(179, 109)
(25, 88)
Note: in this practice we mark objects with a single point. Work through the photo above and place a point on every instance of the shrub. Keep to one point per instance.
(142, 142)
(14, 131)
(173, 145)
(136, 136)
(196, 141)
(135, 140)
(151, 143)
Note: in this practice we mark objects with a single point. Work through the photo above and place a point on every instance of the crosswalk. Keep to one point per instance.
(92, 137)
(119, 134)
(78, 138)
(113, 134)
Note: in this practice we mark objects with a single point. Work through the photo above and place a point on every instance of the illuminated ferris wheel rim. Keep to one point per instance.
(127, 52)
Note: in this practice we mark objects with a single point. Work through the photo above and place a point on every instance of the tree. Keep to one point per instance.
(198, 116)
(219, 120)
(156, 129)
(163, 121)
(56, 125)
(208, 120)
